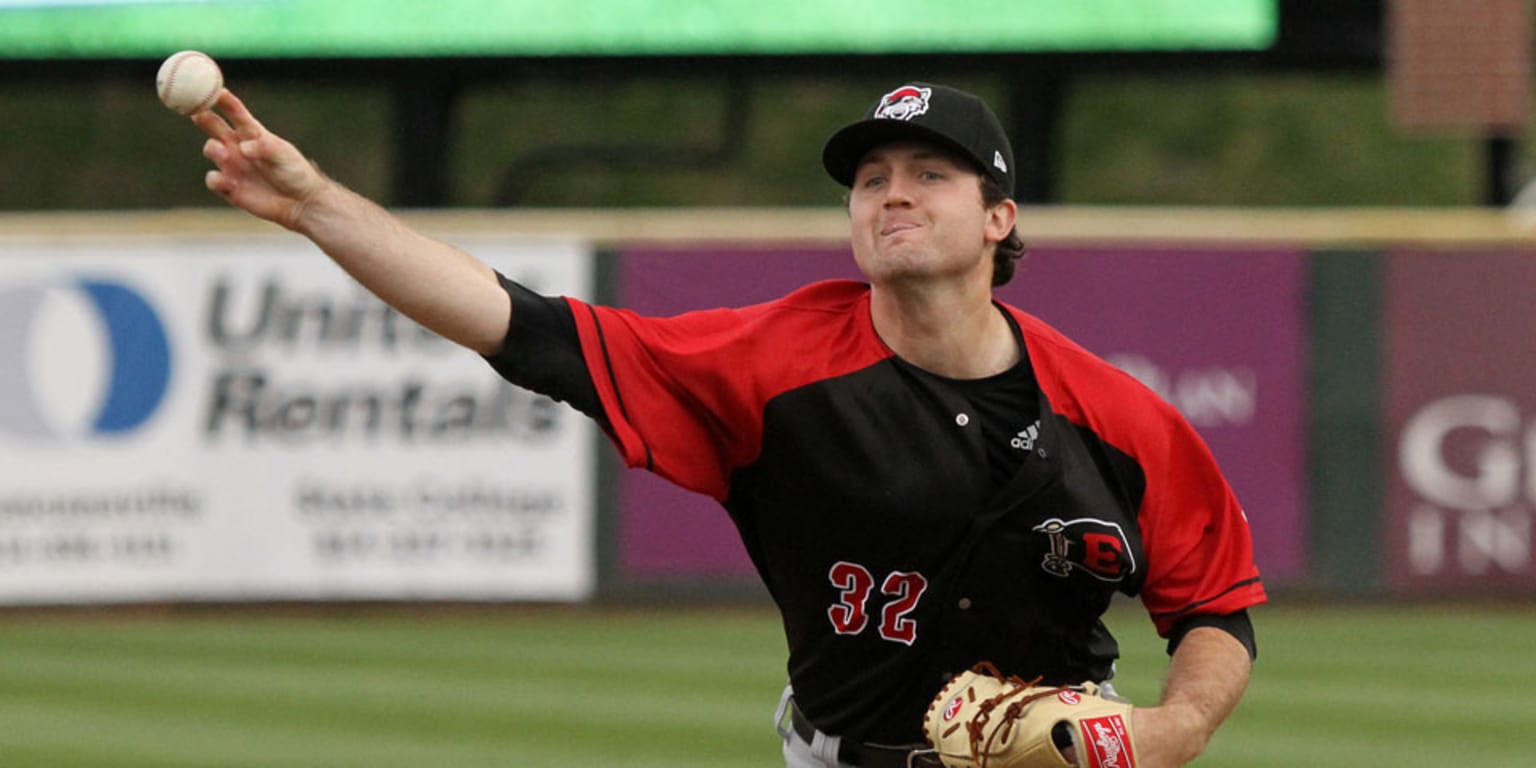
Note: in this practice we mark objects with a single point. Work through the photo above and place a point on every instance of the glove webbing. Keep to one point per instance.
(976, 726)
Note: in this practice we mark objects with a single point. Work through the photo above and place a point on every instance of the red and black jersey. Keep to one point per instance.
(860, 486)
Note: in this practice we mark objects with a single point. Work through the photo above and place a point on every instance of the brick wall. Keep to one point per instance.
(1460, 65)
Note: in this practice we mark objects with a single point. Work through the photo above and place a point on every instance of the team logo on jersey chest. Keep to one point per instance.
(1098, 548)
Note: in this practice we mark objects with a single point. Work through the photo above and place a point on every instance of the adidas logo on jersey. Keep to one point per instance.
(1025, 441)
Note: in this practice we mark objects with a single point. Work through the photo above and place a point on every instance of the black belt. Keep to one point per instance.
(862, 755)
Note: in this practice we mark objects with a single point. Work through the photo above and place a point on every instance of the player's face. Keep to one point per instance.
(916, 214)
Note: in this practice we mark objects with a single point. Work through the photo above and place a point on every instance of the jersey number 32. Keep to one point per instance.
(850, 615)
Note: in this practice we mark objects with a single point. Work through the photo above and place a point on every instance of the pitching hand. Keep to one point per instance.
(257, 170)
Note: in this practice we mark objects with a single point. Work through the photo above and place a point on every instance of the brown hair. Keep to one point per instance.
(1011, 248)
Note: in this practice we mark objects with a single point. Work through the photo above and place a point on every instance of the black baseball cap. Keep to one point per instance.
(938, 114)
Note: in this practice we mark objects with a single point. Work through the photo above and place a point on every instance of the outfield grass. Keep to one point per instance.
(1346, 687)
(1335, 686)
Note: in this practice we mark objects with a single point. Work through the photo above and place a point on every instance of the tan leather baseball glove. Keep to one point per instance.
(982, 719)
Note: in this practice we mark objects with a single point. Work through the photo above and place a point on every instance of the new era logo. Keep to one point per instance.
(998, 162)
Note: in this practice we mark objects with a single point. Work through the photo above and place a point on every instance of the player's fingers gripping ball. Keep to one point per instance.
(984, 720)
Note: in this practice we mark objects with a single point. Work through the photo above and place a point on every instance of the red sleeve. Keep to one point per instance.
(658, 379)
(1194, 534)
(684, 395)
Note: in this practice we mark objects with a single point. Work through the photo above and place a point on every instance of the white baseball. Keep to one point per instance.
(189, 82)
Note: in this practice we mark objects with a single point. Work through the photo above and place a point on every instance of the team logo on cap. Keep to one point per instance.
(904, 103)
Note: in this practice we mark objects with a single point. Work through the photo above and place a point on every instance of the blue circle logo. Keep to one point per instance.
(138, 365)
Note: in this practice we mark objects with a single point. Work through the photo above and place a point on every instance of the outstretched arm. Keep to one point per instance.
(433, 283)
(1206, 677)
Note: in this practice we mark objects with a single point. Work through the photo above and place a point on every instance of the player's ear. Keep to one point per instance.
(1000, 220)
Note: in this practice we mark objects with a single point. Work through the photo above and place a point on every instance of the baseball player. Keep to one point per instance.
(925, 479)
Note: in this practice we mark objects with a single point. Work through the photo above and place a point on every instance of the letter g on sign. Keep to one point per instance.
(1490, 426)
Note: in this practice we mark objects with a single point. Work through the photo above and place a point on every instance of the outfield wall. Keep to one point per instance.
(195, 406)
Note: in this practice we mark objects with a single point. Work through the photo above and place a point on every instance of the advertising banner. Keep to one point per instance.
(1220, 333)
(221, 418)
(1459, 367)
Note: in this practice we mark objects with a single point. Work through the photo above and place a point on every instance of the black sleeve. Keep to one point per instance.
(1236, 624)
(542, 351)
